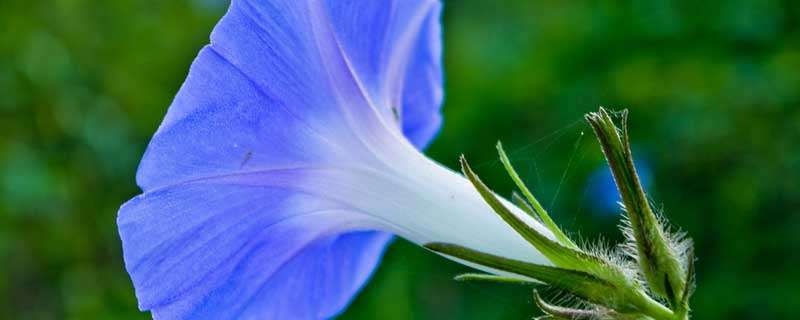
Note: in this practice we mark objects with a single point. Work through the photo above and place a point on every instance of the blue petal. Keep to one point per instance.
(423, 85)
(284, 84)
(268, 54)
(395, 49)
(233, 247)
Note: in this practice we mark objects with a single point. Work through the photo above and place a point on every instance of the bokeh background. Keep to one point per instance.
(713, 88)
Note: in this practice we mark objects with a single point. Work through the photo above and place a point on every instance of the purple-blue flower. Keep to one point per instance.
(289, 157)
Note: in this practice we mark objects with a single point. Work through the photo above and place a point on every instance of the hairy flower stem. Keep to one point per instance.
(608, 286)
(655, 254)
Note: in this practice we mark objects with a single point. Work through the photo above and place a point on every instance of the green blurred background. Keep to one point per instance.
(715, 114)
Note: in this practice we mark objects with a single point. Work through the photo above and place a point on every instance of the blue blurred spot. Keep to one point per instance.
(602, 191)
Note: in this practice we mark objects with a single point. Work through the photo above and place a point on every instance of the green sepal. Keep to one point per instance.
(690, 276)
(565, 313)
(561, 256)
(518, 201)
(657, 259)
(544, 217)
(683, 307)
(580, 284)
(482, 277)
(598, 313)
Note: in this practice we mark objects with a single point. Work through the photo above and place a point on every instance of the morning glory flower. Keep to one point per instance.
(289, 158)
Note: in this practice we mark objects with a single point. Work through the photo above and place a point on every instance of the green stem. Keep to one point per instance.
(653, 309)
(656, 310)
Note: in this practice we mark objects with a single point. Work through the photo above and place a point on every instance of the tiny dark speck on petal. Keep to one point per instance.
(247, 157)
(396, 114)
